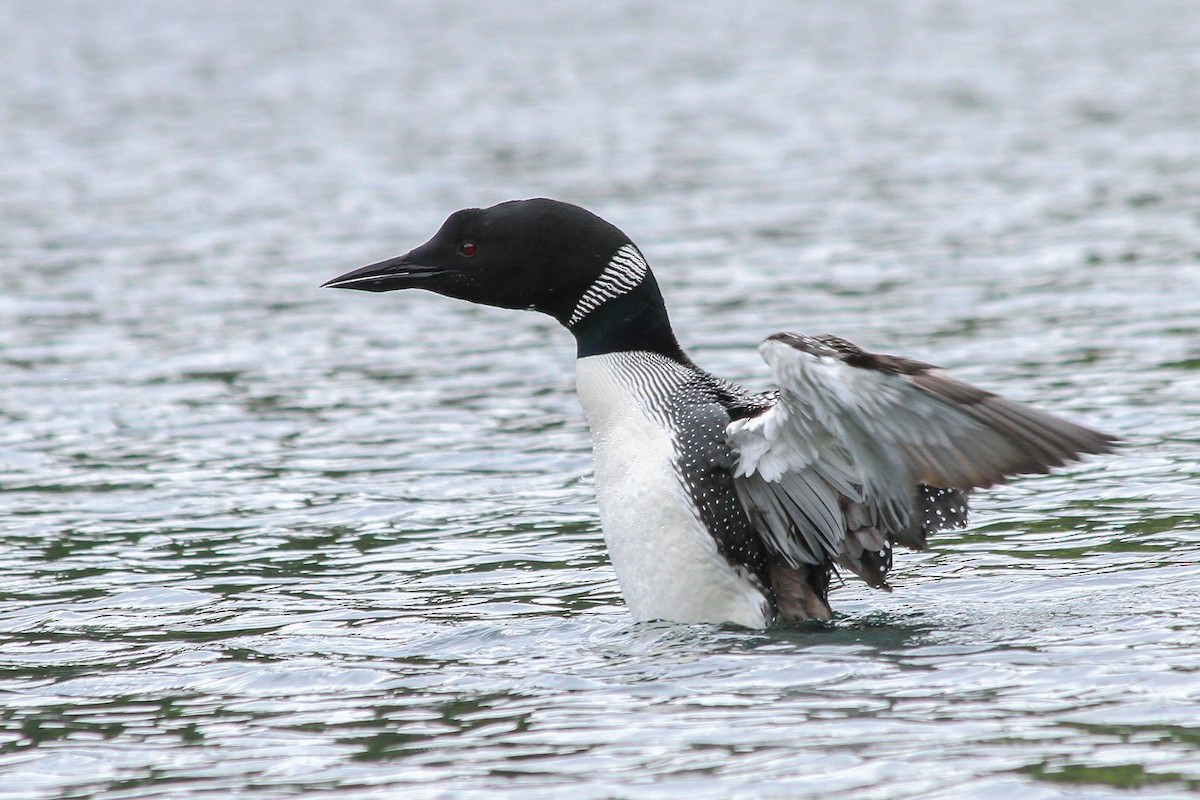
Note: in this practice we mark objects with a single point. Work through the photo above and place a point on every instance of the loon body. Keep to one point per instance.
(716, 504)
(667, 503)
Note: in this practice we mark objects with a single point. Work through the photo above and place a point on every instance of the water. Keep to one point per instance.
(266, 539)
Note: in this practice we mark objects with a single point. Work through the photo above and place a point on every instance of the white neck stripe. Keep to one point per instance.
(624, 272)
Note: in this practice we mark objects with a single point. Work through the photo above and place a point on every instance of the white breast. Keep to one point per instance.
(667, 564)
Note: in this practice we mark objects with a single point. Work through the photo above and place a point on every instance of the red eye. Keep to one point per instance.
(467, 248)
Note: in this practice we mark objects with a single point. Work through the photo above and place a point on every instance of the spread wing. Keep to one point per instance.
(862, 450)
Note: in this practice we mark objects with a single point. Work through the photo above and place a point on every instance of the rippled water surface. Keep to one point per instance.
(264, 539)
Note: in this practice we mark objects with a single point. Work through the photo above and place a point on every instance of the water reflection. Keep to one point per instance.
(262, 539)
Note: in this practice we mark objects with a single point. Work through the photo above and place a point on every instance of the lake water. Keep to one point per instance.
(259, 539)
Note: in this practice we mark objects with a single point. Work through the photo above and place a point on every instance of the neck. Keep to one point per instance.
(631, 322)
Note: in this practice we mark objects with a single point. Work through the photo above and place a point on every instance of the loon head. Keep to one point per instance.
(543, 255)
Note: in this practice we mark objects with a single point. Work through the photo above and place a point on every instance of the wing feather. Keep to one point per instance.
(860, 450)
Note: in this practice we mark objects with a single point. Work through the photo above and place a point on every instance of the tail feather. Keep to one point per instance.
(802, 592)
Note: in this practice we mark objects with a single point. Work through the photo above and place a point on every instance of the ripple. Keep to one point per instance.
(260, 539)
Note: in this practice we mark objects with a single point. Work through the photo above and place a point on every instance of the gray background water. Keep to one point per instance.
(264, 538)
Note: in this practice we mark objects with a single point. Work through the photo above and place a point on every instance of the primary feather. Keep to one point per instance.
(860, 451)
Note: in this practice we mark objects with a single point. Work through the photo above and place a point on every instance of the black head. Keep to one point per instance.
(539, 254)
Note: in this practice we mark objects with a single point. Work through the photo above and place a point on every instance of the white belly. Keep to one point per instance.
(667, 564)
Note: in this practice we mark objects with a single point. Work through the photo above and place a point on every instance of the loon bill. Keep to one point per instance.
(720, 505)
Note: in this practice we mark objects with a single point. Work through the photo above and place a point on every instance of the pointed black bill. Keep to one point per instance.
(386, 276)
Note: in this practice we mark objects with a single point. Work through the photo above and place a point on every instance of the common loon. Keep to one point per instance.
(718, 505)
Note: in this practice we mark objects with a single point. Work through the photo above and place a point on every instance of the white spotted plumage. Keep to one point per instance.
(667, 561)
(718, 505)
